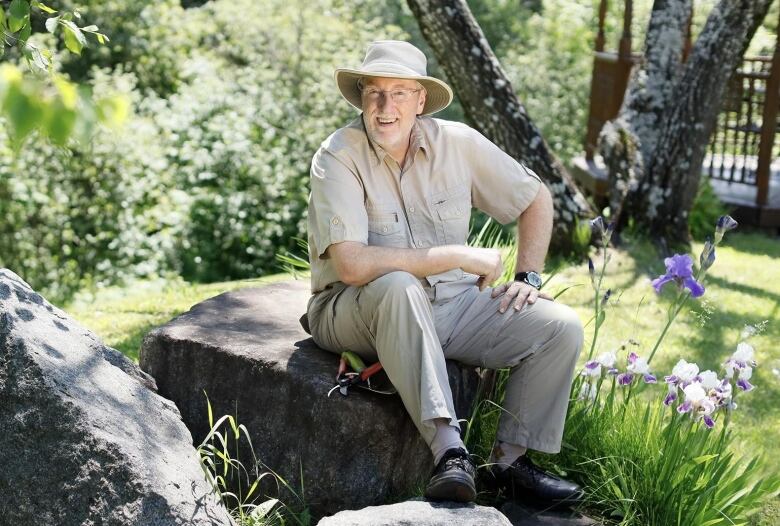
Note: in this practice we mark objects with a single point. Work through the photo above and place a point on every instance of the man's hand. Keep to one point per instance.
(486, 263)
(517, 293)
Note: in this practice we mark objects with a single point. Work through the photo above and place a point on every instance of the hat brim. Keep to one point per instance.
(438, 93)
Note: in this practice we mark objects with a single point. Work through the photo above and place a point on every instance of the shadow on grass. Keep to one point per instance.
(130, 346)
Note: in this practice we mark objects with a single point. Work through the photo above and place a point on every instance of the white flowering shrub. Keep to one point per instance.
(209, 176)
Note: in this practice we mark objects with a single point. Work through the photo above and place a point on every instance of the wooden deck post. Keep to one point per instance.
(768, 127)
(602, 16)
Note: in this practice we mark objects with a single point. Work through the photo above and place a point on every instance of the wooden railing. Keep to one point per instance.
(745, 140)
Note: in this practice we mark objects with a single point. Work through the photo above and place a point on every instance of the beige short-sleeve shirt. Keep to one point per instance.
(360, 193)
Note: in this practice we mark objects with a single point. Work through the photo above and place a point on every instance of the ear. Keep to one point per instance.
(421, 101)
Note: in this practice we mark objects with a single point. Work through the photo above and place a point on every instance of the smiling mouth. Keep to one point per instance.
(385, 123)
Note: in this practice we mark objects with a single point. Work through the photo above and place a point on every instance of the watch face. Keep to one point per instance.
(534, 279)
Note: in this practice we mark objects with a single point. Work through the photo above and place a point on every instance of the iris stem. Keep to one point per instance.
(597, 303)
(681, 299)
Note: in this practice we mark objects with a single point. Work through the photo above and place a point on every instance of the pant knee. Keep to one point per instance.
(396, 282)
(570, 329)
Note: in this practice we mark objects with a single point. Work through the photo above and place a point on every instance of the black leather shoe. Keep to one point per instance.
(453, 478)
(523, 481)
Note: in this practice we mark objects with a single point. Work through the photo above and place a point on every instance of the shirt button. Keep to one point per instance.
(420, 244)
(335, 220)
(384, 229)
(411, 209)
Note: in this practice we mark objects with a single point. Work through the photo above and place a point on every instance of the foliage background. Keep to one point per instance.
(208, 178)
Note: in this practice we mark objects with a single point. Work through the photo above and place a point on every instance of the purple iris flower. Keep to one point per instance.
(707, 257)
(724, 224)
(679, 268)
(636, 366)
(592, 272)
(598, 227)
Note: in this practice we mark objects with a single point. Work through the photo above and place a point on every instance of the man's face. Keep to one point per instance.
(388, 121)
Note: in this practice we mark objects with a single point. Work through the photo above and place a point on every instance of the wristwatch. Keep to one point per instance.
(532, 278)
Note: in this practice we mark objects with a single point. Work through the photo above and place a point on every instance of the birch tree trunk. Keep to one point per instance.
(492, 106)
(664, 126)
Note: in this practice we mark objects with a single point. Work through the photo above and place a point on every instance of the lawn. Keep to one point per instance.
(743, 288)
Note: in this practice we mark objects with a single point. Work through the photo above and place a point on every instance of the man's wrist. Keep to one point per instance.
(530, 277)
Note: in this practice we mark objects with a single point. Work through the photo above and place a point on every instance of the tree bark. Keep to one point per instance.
(671, 139)
(492, 106)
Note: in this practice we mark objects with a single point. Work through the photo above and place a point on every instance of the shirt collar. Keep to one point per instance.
(417, 141)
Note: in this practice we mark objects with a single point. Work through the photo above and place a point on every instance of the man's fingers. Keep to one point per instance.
(511, 292)
(499, 290)
(527, 295)
(545, 296)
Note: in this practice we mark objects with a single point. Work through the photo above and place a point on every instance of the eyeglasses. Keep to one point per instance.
(399, 96)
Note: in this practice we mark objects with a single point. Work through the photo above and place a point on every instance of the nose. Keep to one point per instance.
(384, 100)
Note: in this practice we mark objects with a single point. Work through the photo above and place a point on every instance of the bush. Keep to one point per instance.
(209, 180)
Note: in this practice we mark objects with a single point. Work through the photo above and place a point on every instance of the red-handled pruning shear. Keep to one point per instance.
(353, 372)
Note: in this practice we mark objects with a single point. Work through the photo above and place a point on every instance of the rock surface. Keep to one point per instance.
(419, 513)
(86, 440)
(247, 350)
(521, 515)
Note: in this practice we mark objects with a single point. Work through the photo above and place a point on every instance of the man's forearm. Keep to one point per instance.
(358, 264)
(534, 229)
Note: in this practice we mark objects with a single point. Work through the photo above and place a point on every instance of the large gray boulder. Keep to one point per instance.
(248, 352)
(419, 513)
(86, 440)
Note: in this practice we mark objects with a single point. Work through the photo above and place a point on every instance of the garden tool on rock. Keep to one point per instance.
(353, 372)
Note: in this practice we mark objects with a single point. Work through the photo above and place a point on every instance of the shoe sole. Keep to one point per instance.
(457, 488)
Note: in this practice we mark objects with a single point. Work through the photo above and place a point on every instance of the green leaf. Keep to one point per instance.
(44, 7)
(74, 38)
(39, 60)
(263, 509)
(23, 111)
(600, 320)
(52, 23)
(20, 15)
(59, 123)
(2, 21)
(90, 29)
(24, 34)
(704, 458)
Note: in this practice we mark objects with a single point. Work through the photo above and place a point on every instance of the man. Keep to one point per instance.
(393, 280)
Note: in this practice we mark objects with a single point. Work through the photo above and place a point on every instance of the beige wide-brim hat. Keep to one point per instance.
(399, 60)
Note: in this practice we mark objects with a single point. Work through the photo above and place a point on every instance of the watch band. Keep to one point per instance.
(535, 279)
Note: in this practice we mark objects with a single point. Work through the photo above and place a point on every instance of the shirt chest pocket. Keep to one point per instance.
(451, 213)
(384, 230)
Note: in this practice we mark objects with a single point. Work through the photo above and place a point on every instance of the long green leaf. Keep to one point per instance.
(74, 38)
(19, 12)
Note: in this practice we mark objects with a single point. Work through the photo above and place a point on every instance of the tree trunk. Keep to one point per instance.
(657, 144)
(627, 142)
(493, 107)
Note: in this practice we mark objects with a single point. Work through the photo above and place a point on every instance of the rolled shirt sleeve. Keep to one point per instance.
(500, 186)
(337, 210)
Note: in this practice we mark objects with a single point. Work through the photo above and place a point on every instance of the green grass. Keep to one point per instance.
(122, 316)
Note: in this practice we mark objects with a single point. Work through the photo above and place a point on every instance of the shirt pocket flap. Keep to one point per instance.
(384, 224)
(453, 206)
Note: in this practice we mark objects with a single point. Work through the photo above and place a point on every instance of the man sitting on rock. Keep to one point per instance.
(393, 279)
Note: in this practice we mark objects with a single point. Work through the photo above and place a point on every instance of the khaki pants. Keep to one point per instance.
(401, 323)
